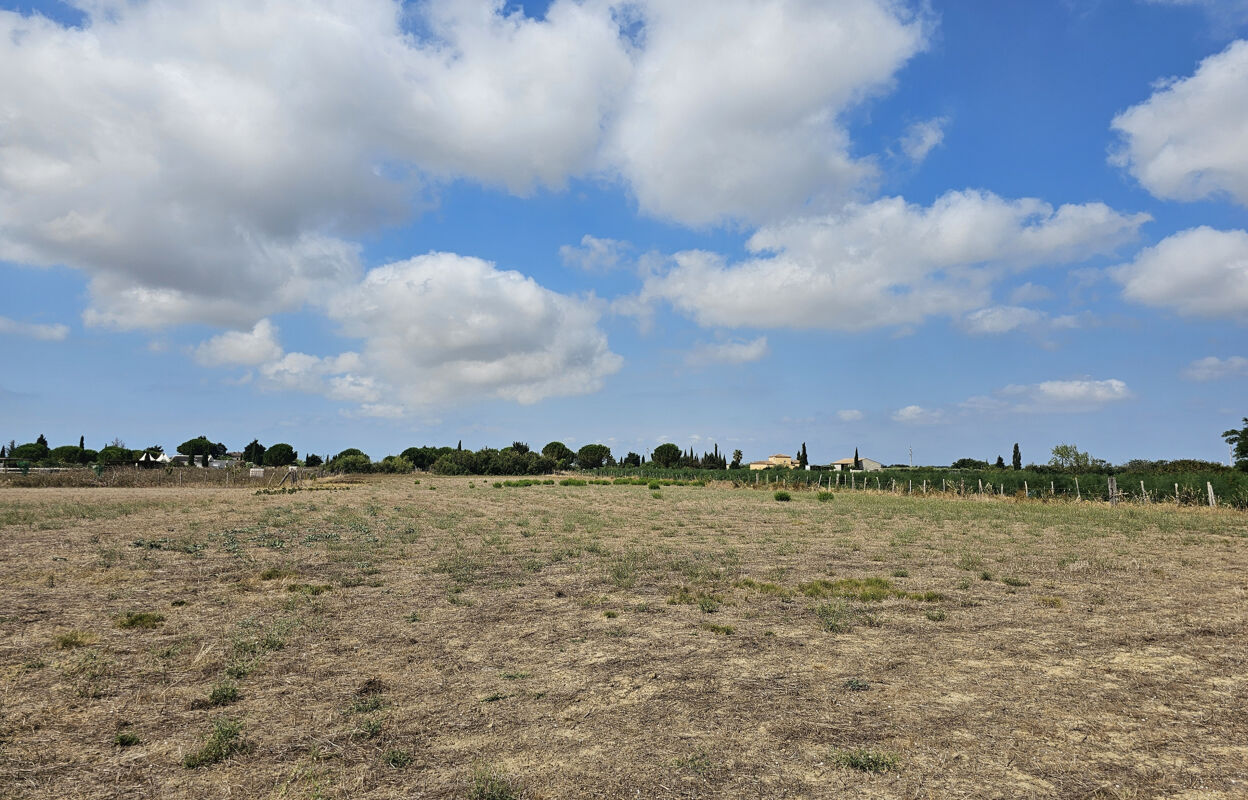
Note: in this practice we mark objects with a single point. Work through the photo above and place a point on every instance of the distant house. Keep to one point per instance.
(778, 460)
(847, 465)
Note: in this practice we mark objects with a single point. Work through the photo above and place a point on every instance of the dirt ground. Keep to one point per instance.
(422, 636)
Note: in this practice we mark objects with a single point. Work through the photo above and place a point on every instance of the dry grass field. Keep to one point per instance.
(444, 638)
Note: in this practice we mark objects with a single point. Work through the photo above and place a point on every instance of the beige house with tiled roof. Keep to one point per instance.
(778, 460)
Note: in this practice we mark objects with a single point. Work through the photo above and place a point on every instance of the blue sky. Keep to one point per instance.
(885, 225)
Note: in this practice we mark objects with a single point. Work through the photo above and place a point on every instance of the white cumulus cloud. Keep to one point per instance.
(849, 415)
(887, 262)
(917, 415)
(1198, 272)
(34, 330)
(923, 137)
(1186, 141)
(443, 328)
(1213, 368)
(248, 348)
(594, 254)
(734, 109)
(728, 352)
(1065, 395)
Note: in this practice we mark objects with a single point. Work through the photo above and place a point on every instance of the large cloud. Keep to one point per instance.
(209, 161)
(734, 109)
(213, 162)
(1186, 141)
(1199, 272)
(887, 262)
(444, 328)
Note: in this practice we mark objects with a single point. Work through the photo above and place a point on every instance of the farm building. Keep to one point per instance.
(847, 465)
(778, 460)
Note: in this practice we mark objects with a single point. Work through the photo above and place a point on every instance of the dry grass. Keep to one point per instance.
(592, 641)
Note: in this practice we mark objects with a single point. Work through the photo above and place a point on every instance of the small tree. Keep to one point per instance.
(254, 452)
(42, 440)
(280, 455)
(560, 453)
(666, 455)
(1238, 440)
(593, 456)
(631, 460)
(313, 460)
(736, 460)
(1000, 463)
(1069, 458)
(520, 447)
(1018, 457)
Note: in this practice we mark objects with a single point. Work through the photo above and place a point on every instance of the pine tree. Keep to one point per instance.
(1018, 457)
(1000, 463)
(42, 440)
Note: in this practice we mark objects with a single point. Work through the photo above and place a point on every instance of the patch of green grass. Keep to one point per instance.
(708, 603)
(723, 630)
(1008, 581)
(824, 497)
(413, 617)
(1052, 602)
(765, 587)
(698, 762)
(126, 739)
(936, 615)
(835, 617)
(610, 614)
(274, 573)
(985, 576)
(901, 573)
(926, 597)
(970, 561)
(225, 740)
(865, 590)
(370, 728)
(222, 694)
(140, 619)
(489, 784)
(782, 497)
(368, 704)
(71, 639)
(396, 759)
(865, 760)
(655, 486)
(495, 697)
(856, 684)
(310, 589)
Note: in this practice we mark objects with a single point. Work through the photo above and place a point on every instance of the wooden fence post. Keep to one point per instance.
(1026, 491)
(1176, 494)
(1112, 485)
(1213, 501)
(1143, 492)
(1077, 495)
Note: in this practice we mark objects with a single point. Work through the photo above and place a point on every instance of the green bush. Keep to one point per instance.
(783, 497)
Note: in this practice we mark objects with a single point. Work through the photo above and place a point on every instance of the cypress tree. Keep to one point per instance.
(81, 441)
(857, 460)
(1018, 457)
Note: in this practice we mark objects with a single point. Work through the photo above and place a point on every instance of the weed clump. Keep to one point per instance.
(140, 619)
(71, 639)
(398, 759)
(824, 497)
(126, 739)
(225, 740)
(1008, 581)
(783, 497)
(488, 784)
(856, 684)
(865, 760)
(723, 630)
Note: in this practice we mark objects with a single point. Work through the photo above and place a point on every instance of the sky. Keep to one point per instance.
(925, 230)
